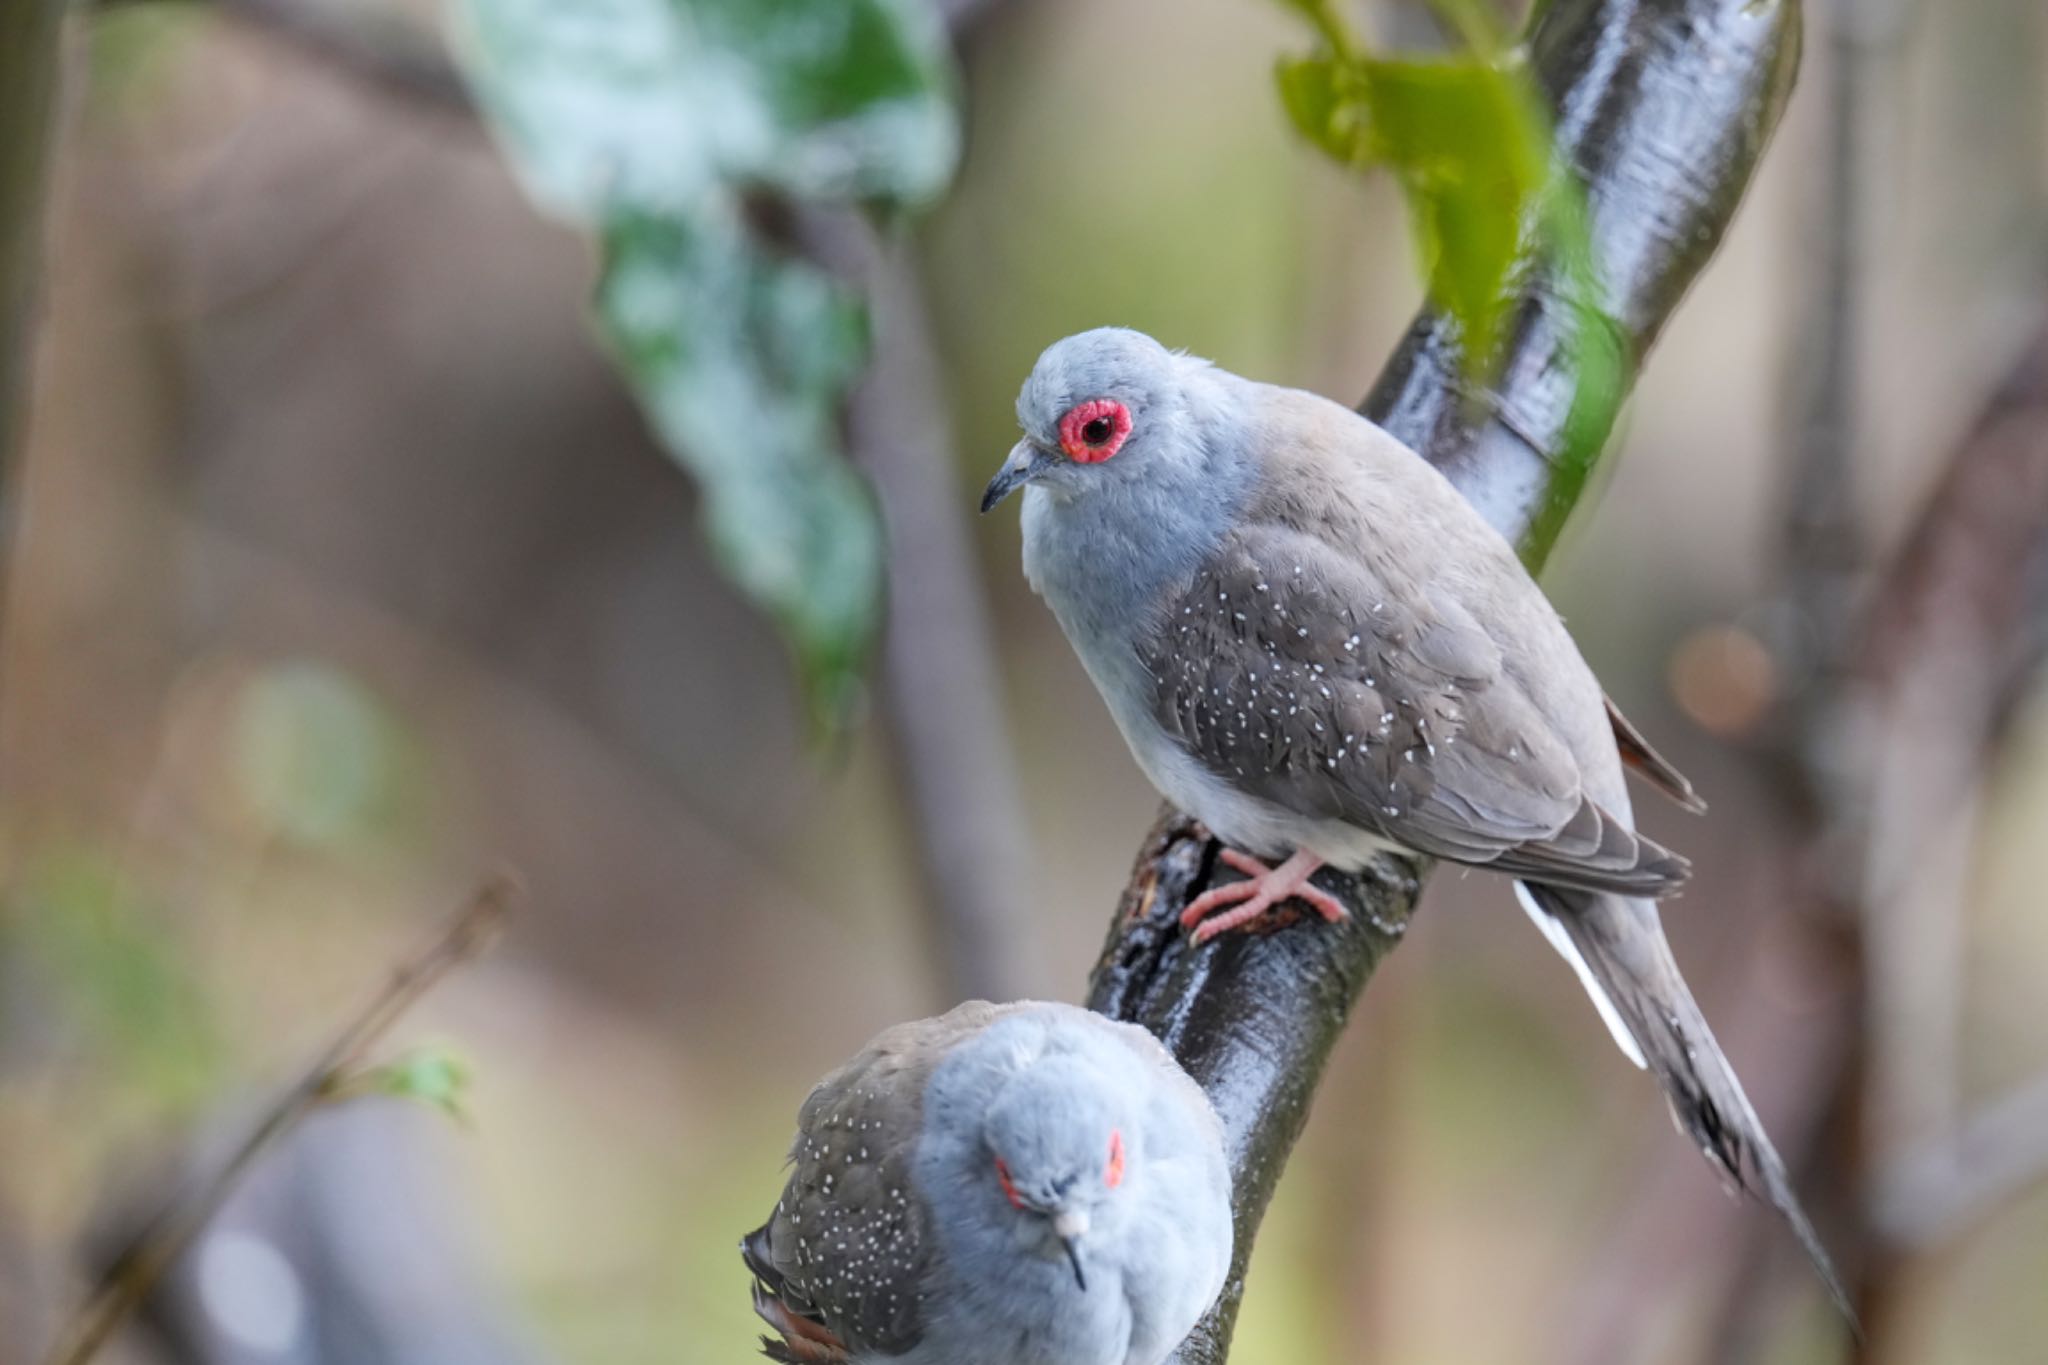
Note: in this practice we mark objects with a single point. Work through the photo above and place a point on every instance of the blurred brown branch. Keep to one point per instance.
(941, 679)
(1947, 644)
(128, 1280)
(1663, 107)
(1820, 530)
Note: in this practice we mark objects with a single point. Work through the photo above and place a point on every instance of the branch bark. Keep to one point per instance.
(1664, 108)
(940, 679)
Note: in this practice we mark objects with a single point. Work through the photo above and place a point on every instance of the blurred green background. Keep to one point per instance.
(344, 567)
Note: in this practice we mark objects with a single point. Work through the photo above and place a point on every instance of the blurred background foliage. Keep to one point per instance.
(651, 122)
(345, 562)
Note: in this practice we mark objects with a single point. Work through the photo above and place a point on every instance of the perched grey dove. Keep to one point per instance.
(1317, 648)
(1022, 1184)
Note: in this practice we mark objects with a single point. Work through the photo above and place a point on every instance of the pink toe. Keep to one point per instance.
(1223, 924)
(1214, 899)
(1242, 862)
(1322, 902)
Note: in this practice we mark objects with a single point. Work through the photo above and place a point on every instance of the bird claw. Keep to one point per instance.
(1263, 888)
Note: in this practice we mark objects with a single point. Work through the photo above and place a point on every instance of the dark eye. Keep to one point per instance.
(1097, 431)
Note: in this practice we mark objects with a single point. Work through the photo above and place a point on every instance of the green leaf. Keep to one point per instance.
(660, 126)
(431, 1076)
(1601, 363)
(1468, 138)
(1323, 102)
(1470, 148)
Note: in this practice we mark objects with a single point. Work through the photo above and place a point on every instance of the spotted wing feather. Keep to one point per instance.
(1290, 671)
(1656, 769)
(839, 1265)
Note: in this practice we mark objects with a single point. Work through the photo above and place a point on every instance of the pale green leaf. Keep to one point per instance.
(431, 1076)
(1471, 150)
(1318, 95)
(1468, 139)
(659, 125)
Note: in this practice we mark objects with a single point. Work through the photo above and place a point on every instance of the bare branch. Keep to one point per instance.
(129, 1279)
(1956, 653)
(1820, 529)
(1663, 107)
(940, 677)
(1930, 679)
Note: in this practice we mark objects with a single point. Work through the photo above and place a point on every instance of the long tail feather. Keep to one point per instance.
(1622, 946)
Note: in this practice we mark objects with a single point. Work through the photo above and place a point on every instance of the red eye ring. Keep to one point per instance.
(1093, 431)
(1114, 1176)
(1009, 1189)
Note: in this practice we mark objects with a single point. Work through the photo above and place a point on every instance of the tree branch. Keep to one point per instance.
(1922, 698)
(1664, 107)
(940, 679)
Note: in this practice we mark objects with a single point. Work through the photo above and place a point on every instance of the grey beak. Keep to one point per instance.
(1073, 1246)
(1026, 462)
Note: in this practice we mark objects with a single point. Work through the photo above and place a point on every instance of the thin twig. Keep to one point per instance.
(164, 1238)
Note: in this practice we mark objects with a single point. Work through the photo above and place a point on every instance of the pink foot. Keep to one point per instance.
(1264, 888)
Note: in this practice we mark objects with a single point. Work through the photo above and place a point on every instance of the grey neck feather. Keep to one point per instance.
(1106, 557)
